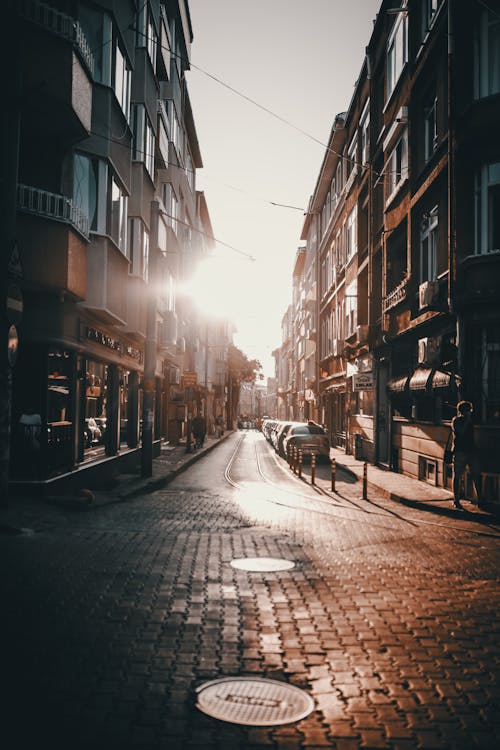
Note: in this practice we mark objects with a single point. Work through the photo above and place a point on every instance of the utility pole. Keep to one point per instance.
(150, 349)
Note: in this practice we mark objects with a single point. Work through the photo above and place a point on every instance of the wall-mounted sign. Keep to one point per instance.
(188, 379)
(362, 381)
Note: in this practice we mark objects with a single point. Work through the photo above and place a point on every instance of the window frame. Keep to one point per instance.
(397, 51)
(429, 235)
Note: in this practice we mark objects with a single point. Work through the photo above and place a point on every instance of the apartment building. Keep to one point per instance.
(403, 222)
(108, 220)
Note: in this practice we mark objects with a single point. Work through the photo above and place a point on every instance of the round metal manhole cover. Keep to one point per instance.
(254, 702)
(262, 564)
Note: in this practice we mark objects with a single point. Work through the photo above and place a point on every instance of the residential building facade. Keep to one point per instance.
(403, 223)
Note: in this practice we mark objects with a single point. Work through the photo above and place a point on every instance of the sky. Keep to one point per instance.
(299, 60)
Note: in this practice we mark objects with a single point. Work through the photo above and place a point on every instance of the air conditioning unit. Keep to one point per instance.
(428, 350)
(428, 294)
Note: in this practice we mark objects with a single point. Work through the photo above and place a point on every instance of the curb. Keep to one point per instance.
(154, 484)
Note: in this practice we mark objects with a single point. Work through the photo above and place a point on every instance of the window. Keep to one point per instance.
(351, 308)
(90, 177)
(487, 54)
(338, 177)
(365, 134)
(428, 246)
(397, 165)
(430, 129)
(487, 209)
(118, 215)
(171, 205)
(146, 33)
(429, 10)
(352, 233)
(397, 51)
(138, 248)
(144, 138)
(351, 162)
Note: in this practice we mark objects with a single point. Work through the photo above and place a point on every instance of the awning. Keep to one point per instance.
(440, 379)
(398, 385)
(419, 379)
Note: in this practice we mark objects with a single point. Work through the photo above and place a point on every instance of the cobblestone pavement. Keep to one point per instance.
(389, 619)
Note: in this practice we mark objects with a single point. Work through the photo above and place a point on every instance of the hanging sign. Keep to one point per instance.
(362, 381)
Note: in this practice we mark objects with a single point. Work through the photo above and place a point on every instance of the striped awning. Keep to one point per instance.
(440, 379)
(398, 385)
(419, 379)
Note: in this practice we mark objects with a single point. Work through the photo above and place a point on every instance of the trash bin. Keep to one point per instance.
(358, 446)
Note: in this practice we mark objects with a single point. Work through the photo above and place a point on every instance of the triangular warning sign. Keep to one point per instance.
(15, 268)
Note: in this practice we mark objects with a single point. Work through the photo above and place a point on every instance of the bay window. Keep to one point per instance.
(487, 54)
(118, 215)
(146, 32)
(487, 209)
(138, 248)
(144, 138)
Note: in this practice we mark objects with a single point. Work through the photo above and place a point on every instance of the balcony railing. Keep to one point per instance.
(61, 24)
(52, 206)
(396, 296)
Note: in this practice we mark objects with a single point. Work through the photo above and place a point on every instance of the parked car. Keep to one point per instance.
(281, 435)
(309, 438)
(92, 432)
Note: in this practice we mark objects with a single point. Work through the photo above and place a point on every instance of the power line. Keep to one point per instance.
(205, 234)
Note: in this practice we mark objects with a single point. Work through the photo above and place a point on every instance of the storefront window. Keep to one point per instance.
(96, 388)
(59, 409)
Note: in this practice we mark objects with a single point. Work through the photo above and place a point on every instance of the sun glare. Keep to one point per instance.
(219, 287)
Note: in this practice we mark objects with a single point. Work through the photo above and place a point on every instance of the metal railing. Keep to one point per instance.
(396, 296)
(53, 206)
(61, 24)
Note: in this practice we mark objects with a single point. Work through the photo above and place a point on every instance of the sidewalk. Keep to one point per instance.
(403, 489)
(27, 513)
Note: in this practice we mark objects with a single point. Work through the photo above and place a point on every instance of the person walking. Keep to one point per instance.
(462, 448)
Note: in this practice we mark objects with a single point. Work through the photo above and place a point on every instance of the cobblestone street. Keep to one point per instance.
(113, 617)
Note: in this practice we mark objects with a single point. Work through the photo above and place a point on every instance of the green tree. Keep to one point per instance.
(240, 370)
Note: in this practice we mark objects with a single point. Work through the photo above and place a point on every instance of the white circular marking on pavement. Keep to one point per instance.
(255, 702)
(262, 564)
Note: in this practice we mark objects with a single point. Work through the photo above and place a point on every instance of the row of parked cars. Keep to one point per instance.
(309, 437)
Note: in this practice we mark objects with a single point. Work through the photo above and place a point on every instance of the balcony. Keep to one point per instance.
(107, 282)
(478, 279)
(57, 73)
(53, 237)
(137, 296)
(394, 298)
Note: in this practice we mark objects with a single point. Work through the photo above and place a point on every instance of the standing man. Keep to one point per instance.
(463, 448)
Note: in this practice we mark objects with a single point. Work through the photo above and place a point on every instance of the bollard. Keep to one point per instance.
(294, 459)
(313, 468)
(300, 463)
(365, 481)
(334, 473)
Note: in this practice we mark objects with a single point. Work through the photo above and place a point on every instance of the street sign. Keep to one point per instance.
(362, 381)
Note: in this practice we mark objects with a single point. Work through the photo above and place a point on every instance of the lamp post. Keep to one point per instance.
(150, 351)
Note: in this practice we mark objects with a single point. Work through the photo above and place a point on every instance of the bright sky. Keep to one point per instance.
(301, 61)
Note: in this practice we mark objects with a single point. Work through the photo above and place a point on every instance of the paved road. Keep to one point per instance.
(389, 619)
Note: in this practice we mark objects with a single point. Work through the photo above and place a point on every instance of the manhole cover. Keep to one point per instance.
(262, 564)
(253, 702)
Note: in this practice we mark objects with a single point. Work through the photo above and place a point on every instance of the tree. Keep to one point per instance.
(240, 370)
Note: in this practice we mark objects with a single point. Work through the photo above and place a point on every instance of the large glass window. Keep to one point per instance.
(95, 421)
(428, 245)
(397, 50)
(430, 129)
(90, 176)
(146, 32)
(144, 138)
(487, 54)
(352, 233)
(397, 165)
(487, 208)
(110, 64)
(118, 215)
(138, 248)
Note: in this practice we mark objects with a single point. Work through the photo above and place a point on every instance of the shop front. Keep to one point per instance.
(73, 406)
